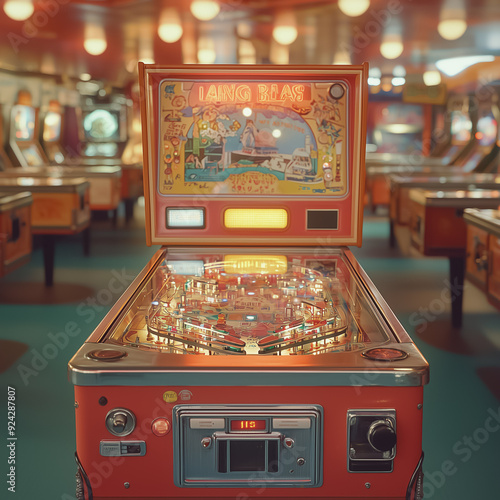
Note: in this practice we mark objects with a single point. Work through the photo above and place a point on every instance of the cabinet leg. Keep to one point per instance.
(457, 275)
(49, 244)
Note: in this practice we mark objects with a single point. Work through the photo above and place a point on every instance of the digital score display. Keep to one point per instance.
(248, 425)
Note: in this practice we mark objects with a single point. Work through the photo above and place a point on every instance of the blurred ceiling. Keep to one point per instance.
(51, 40)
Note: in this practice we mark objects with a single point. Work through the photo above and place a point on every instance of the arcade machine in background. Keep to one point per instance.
(483, 251)
(438, 229)
(461, 140)
(104, 180)
(132, 170)
(27, 153)
(105, 131)
(15, 230)
(483, 157)
(5, 162)
(237, 358)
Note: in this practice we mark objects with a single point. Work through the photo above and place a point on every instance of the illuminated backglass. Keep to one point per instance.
(461, 127)
(487, 129)
(23, 122)
(52, 127)
(278, 151)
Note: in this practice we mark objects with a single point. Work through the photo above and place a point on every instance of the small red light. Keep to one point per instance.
(160, 426)
(479, 135)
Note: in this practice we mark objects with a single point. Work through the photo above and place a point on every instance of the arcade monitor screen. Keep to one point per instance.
(101, 125)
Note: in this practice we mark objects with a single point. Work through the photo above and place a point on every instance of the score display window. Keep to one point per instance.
(248, 425)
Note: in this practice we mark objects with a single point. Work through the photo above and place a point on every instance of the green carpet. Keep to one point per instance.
(460, 441)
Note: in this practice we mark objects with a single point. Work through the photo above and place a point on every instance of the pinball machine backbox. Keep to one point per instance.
(252, 357)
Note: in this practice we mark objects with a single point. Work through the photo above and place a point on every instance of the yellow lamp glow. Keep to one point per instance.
(285, 27)
(391, 46)
(170, 27)
(452, 20)
(95, 39)
(204, 10)
(353, 8)
(255, 264)
(256, 218)
(19, 10)
(432, 77)
(452, 29)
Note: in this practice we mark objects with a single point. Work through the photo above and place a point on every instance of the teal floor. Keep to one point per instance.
(461, 414)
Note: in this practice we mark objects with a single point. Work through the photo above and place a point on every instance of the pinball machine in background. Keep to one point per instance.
(252, 356)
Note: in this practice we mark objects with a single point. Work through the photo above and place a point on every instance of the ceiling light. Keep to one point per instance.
(455, 65)
(391, 46)
(285, 27)
(375, 73)
(94, 39)
(373, 81)
(398, 81)
(170, 27)
(85, 77)
(452, 23)
(432, 77)
(354, 8)
(19, 10)
(204, 10)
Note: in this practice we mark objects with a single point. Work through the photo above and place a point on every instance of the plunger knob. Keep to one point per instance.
(382, 436)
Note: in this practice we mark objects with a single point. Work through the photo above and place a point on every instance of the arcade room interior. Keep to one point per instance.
(249, 249)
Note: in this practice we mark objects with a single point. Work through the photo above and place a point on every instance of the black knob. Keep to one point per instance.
(382, 436)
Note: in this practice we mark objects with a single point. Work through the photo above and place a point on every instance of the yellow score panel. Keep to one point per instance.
(256, 218)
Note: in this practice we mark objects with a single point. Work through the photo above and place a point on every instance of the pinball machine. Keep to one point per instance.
(483, 251)
(437, 228)
(59, 207)
(476, 169)
(400, 203)
(252, 357)
(15, 230)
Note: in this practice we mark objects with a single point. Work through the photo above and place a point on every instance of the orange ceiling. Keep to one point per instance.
(51, 41)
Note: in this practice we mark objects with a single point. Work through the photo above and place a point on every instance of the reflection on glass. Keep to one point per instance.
(310, 306)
